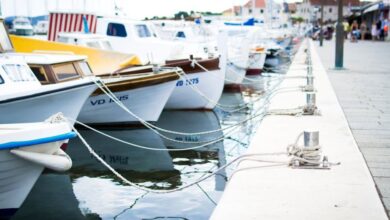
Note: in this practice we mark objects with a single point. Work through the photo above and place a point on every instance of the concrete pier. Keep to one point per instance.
(346, 191)
(363, 90)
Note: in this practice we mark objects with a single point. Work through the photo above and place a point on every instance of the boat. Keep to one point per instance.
(145, 94)
(41, 27)
(25, 150)
(183, 96)
(141, 38)
(24, 99)
(22, 26)
(257, 56)
(196, 88)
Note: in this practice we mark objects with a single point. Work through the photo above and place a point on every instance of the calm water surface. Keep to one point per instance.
(90, 191)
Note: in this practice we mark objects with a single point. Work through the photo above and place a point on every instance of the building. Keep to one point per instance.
(310, 10)
(234, 11)
(261, 10)
(292, 8)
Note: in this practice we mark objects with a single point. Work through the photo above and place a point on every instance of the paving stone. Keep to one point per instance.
(365, 99)
(380, 172)
(383, 184)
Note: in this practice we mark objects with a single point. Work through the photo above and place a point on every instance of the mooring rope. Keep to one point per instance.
(135, 185)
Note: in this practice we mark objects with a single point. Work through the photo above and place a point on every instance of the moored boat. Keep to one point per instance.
(24, 99)
(200, 87)
(144, 94)
(25, 150)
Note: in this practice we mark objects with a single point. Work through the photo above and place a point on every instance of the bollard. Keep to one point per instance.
(311, 138)
(310, 108)
(155, 68)
(310, 99)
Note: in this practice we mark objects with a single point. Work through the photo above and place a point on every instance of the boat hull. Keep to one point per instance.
(234, 74)
(17, 177)
(256, 64)
(39, 107)
(145, 102)
(184, 96)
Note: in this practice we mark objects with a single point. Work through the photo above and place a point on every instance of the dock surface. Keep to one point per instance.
(363, 90)
(346, 191)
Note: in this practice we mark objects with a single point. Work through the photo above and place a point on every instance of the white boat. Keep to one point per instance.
(144, 94)
(41, 27)
(25, 150)
(24, 99)
(142, 39)
(198, 89)
(22, 26)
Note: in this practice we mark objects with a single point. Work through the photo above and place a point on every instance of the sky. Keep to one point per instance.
(137, 9)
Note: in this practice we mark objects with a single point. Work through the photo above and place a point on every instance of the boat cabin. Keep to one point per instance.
(138, 37)
(56, 68)
(22, 26)
(47, 68)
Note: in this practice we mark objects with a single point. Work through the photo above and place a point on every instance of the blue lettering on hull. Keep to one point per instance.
(187, 82)
(108, 100)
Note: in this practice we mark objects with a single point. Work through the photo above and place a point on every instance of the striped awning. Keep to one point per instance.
(69, 22)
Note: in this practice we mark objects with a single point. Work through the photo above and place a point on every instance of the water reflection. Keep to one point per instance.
(93, 183)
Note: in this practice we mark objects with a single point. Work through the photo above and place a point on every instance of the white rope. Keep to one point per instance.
(118, 175)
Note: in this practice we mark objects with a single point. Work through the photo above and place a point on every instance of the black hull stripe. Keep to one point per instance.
(45, 93)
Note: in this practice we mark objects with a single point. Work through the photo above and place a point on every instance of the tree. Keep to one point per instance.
(181, 14)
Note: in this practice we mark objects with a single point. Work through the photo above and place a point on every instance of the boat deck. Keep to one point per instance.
(346, 191)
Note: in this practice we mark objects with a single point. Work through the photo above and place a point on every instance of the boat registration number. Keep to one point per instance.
(108, 100)
(187, 82)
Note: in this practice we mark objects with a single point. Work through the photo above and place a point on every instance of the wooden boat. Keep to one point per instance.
(25, 150)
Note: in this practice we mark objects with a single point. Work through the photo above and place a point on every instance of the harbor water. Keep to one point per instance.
(91, 191)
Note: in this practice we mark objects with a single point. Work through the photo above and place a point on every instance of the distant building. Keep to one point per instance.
(374, 11)
(258, 11)
(310, 10)
(262, 10)
(234, 11)
(292, 8)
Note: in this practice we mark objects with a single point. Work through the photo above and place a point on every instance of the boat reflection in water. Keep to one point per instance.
(100, 193)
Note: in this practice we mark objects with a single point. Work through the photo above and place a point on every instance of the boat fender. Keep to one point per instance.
(59, 161)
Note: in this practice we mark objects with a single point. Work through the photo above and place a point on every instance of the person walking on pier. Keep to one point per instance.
(354, 31)
(363, 30)
(374, 32)
(346, 29)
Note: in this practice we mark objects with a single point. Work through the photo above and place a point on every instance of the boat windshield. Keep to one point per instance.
(19, 73)
(22, 23)
(85, 69)
(106, 45)
(65, 71)
(1, 80)
(143, 31)
(93, 44)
